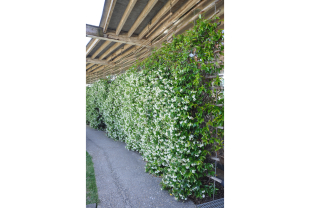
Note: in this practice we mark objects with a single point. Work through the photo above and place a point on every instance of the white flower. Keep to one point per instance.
(193, 171)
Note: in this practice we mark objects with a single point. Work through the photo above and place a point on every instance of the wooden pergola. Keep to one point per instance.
(130, 29)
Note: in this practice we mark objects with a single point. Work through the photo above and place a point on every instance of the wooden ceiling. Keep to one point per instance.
(130, 29)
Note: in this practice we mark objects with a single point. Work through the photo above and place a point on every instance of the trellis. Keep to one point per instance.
(174, 26)
(211, 78)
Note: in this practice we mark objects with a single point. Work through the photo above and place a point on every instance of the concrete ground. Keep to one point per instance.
(121, 178)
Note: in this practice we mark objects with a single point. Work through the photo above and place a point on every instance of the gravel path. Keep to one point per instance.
(120, 176)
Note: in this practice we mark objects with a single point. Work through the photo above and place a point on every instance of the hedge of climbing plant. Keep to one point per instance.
(167, 108)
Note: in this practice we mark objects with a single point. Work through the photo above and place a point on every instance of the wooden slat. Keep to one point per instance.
(107, 13)
(187, 6)
(89, 72)
(126, 53)
(175, 20)
(101, 68)
(97, 32)
(216, 179)
(205, 9)
(128, 62)
(217, 88)
(188, 18)
(91, 45)
(174, 17)
(89, 66)
(125, 16)
(109, 50)
(96, 61)
(154, 28)
(141, 17)
(214, 76)
(101, 48)
(215, 158)
(92, 69)
(118, 52)
(158, 16)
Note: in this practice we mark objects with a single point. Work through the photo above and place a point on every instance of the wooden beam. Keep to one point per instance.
(216, 179)
(118, 58)
(91, 45)
(158, 16)
(154, 28)
(186, 21)
(91, 69)
(126, 53)
(141, 17)
(131, 58)
(99, 68)
(101, 48)
(119, 52)
(111, 65)
(125, 16)
(89, 66)
(215, 158)
(128, 62)
(109, 50)
(174, 18)
(97, 32)
(96, 61)
(107, 13)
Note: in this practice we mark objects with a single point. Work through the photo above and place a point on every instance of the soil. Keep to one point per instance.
(219, 194)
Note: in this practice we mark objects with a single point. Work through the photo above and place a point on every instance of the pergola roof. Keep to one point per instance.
(130, 29)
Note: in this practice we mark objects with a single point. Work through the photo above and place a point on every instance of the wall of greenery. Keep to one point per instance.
(166, 108)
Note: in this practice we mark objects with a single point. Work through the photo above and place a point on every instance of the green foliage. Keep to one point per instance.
(165, 108)
(95, 96)
(91, 187)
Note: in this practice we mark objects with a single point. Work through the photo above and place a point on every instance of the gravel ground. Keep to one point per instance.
(121, 178)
